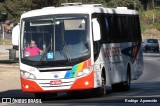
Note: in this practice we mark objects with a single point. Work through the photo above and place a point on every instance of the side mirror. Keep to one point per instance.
(96, 30)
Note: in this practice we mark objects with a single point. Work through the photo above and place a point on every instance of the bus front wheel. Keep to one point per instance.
(41, 96)
(99, 92)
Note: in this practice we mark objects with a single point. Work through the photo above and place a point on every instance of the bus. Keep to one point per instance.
(15, 34)
(85, 48)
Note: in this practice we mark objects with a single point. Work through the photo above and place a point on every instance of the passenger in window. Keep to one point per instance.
(32, 50)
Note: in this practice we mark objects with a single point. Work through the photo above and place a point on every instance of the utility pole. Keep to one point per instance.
(153, 6)
(3, 17)
(3, 31)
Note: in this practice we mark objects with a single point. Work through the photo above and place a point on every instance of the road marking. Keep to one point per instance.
(148, 59)
(151, 53)
(146, 86)
(133, 93)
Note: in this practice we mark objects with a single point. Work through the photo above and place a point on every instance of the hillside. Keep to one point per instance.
(150, 28)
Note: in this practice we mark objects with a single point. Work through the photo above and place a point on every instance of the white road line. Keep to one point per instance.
(130, 94)
(151, 54)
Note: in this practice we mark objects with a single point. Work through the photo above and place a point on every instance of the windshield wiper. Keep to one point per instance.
(66, 53)
(44, 54)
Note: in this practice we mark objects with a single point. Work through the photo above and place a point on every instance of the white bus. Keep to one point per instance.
(86, 47)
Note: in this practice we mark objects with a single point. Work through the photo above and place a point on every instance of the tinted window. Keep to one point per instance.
(119, 28)
(152, 41)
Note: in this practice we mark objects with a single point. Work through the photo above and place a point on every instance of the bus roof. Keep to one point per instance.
(78, 9)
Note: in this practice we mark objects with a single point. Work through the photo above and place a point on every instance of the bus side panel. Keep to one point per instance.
(132, 54)
(116, 57)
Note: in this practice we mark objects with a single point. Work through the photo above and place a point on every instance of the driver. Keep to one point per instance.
(32, 50)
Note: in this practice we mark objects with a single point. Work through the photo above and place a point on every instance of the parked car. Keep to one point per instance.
(150, 44)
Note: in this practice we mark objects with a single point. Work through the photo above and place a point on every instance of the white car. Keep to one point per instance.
(15, 34)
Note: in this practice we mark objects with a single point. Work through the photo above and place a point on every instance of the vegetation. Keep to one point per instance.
(147, 8)
(16, 7)
(150, 23)
(5, 41)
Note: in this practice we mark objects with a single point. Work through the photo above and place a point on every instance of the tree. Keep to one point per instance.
(132, 4)
(16, 7)
(44, 3)
(2, 1)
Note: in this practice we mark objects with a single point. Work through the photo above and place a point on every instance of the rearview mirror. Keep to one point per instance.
(96, 30)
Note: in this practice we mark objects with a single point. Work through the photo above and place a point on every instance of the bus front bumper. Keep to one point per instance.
(82, 83)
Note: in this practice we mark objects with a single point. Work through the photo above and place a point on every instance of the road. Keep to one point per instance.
(146, 88)
(6, 35)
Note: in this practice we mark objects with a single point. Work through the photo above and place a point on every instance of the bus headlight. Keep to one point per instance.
(85, 71)
(27, 75)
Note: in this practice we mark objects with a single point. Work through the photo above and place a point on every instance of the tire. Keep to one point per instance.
(123, 86)
(15, 47)
(41, 96)
(99, 92)
(126, 85)
(145, 50)
(116, 87)
(154, 50)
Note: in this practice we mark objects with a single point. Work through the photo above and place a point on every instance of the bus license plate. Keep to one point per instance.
(55, 82)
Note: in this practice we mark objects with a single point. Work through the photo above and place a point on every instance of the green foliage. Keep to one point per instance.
(125, 3)
(44, 3)
(147, 19)
(16, 7)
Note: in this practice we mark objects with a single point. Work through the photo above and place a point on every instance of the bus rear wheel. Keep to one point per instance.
(123, 86)
(126, 85)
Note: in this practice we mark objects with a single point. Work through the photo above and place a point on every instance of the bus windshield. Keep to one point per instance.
(56, 39)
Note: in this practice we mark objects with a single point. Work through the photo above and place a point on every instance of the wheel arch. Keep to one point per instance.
(103, 72)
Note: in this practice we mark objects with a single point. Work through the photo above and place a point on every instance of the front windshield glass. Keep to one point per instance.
(55, 38)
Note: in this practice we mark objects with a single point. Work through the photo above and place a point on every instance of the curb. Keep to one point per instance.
(8, 66)
(9, 61)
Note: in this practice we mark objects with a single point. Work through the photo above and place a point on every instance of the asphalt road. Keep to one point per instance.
(146, 88)
(8, 35)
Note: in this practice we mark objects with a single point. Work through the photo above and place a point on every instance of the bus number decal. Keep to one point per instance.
(107, 52)
(111, 52)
